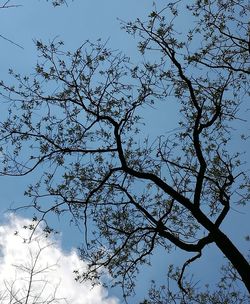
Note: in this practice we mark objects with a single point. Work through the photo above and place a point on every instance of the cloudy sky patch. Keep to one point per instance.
(41, 270)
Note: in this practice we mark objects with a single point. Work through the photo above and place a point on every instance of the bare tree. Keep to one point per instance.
(31, 284)
(79, 120)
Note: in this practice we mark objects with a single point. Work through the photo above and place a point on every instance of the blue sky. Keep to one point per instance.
(81, 20)
(74, 24)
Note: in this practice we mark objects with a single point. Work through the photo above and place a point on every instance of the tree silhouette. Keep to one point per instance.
(78, 120)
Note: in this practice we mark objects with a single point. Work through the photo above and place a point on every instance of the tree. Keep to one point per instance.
(32, 278)
(78, 120)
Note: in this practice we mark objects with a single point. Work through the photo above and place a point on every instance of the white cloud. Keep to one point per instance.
(53, 272)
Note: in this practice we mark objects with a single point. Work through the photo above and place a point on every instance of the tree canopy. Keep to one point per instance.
(77, 122)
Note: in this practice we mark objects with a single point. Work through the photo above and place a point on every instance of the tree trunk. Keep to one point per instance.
(234, 256)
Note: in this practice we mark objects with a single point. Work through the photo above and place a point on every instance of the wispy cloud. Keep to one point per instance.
(52, 269)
